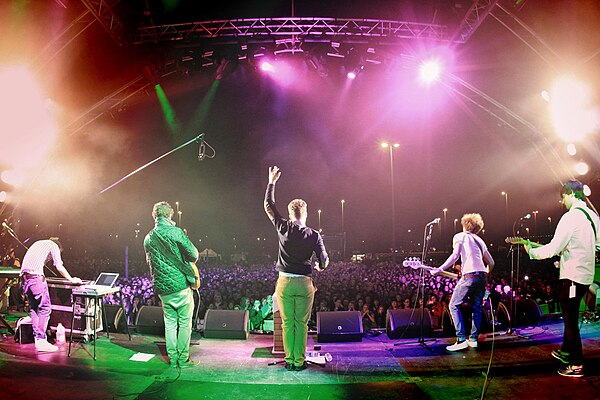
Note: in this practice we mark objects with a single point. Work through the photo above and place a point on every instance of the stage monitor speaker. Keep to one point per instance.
(402, 324)
(116, 320)
(226, 324)
(339, 326)
(150, 320)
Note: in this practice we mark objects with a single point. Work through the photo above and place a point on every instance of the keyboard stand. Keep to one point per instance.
(96, 298)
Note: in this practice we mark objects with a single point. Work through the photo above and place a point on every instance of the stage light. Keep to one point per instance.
(587, 191)
(570, 109)
(582, 168)
(267, 66)
(354, 73)
(429, 71)
(3, 196)
(13, 177)
(571, 149)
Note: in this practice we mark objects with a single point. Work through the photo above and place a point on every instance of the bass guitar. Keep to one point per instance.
(415, 263)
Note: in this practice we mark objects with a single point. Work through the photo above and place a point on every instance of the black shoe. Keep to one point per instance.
(301, 367)
(560, 356)
(289, 367)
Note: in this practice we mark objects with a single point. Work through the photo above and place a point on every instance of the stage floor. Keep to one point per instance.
(520, 367)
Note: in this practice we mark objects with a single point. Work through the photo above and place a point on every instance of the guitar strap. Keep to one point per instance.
(480, 248)
(589, 219)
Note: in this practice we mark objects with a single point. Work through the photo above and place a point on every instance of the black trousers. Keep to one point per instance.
(570, 310)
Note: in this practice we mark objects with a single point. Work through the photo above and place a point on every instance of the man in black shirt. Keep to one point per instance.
(295, 291)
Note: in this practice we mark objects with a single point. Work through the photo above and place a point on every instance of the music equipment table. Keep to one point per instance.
(97, 296)
(7, 273)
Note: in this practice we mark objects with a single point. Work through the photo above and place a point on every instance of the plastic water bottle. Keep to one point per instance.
(60, 333)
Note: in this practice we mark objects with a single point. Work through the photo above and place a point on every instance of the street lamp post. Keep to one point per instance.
(179, 218)
(391, 147)
(343, 232)
(445, 211)
(505, 194)
(535, 213)
(455, 221)
(319, 213)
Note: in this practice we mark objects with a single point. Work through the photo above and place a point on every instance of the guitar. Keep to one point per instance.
(196, 284)
(520, 240)
(415, 263)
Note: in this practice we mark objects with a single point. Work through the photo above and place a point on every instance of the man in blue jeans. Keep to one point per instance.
(170, 255)
(36, 288)
(476, 263)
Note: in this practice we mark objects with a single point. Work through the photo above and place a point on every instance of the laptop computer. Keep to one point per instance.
(104, 282)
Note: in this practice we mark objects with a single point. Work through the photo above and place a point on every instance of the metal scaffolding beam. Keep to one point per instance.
(104, 14)
(473, 19)
(305, 28)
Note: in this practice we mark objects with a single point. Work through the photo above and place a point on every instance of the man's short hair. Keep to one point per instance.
(57, 241)
(472, 222)
(162, 209)
(574, 187)
(297, 208)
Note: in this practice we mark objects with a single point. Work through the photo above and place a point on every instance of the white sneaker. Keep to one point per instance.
(42, 345)
(472, 343)
(458, 346)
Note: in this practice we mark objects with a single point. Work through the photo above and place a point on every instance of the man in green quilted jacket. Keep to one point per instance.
(170, 255)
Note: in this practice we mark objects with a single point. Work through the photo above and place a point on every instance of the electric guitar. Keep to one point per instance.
(415, 263)
(520, 240)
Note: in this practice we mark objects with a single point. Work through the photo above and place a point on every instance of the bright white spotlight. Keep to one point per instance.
(429, 71)
(351, 75)
(3, 196)
(587, 191)
(570, 109)
(571, 149)
(582, 168)
(267, 66)
(13, 177)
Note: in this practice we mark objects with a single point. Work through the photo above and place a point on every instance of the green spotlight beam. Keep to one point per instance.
(204, 106)
(168, 112)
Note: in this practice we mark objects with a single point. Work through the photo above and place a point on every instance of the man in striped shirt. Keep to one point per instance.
(36, 288)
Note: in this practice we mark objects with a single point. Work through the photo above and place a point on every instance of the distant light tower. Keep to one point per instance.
(505, 194)
(319, 212)
(444, 228)
(343, 231)
(391, 147)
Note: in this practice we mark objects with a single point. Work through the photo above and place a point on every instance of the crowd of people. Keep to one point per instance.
(371, 289)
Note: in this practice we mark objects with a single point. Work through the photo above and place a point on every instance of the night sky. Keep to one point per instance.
(323, 132)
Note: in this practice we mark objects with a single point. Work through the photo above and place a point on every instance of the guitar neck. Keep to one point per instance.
(449, 274)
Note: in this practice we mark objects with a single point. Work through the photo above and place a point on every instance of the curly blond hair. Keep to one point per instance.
(472, 222)
(298, 208)
(162, 209)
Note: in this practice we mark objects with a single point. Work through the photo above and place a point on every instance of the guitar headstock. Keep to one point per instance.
(413, 262)
(515, 240)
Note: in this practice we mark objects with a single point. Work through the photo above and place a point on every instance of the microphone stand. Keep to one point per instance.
(427, 237)
(513, 281)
